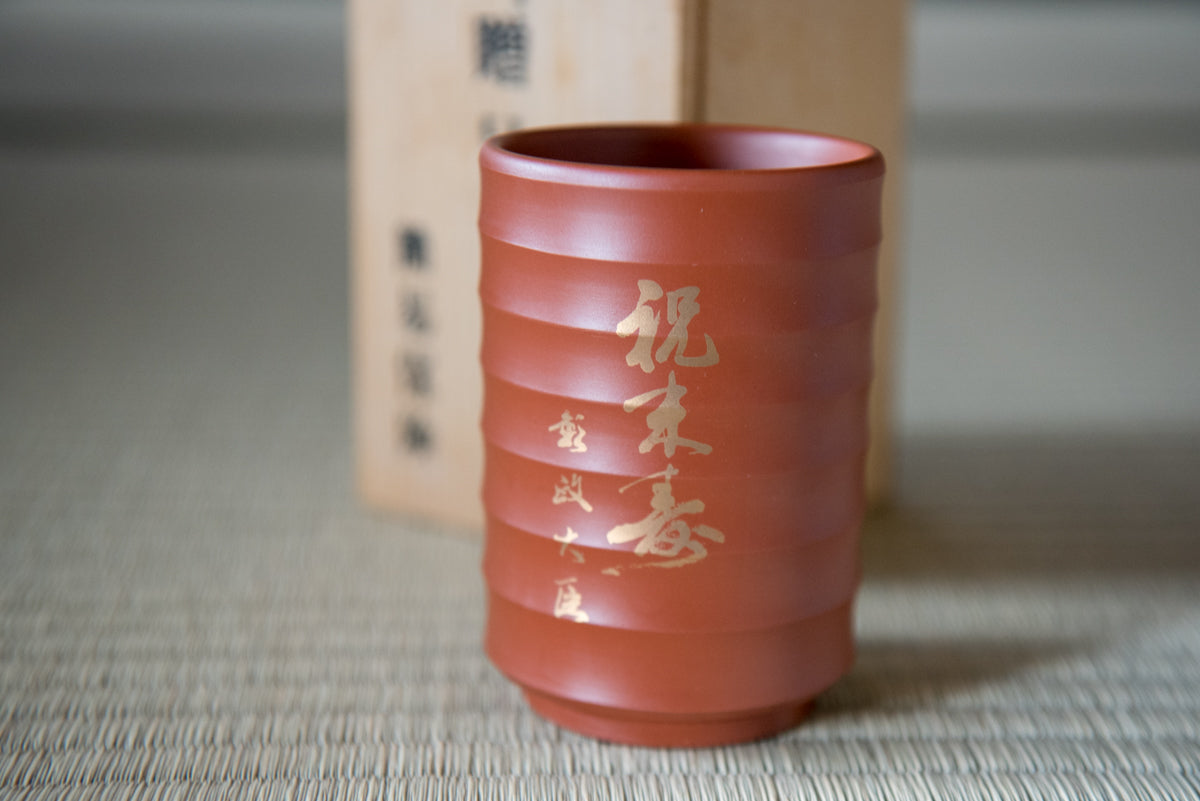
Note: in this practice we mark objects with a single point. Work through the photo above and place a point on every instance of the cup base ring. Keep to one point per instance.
(666, 730)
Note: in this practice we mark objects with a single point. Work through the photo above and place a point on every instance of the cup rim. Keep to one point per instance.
(723, 153)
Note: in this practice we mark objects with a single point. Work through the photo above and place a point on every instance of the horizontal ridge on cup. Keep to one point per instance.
(704, 672)
(756, 298)
(755, 589)
(745, 435)
(592, 365)
(777, 510)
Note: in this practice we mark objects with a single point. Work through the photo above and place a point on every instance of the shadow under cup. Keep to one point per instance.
(677, 355)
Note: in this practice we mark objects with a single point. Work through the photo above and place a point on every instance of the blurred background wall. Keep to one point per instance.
(1052, 276)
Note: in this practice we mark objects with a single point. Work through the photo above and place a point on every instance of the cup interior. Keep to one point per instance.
(686, 147)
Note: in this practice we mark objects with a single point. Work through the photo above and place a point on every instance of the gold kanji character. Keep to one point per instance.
(568, 601)
(662, 532)
(570, 432)
(664, 421)
(643, 321)
(566, 540)
(570, 490)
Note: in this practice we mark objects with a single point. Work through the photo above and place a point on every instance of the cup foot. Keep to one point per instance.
(664, 730)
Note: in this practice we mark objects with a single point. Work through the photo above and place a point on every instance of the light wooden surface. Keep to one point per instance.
(839, 68)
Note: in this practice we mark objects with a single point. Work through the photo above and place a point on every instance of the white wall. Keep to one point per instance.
(1053, 270)
(205, 56)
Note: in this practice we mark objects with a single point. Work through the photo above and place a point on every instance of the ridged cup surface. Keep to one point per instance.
(676, 356)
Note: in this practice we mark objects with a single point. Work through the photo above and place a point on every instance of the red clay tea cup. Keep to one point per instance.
(676, 355)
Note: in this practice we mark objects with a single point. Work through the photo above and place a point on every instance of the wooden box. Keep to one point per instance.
(430, 80)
